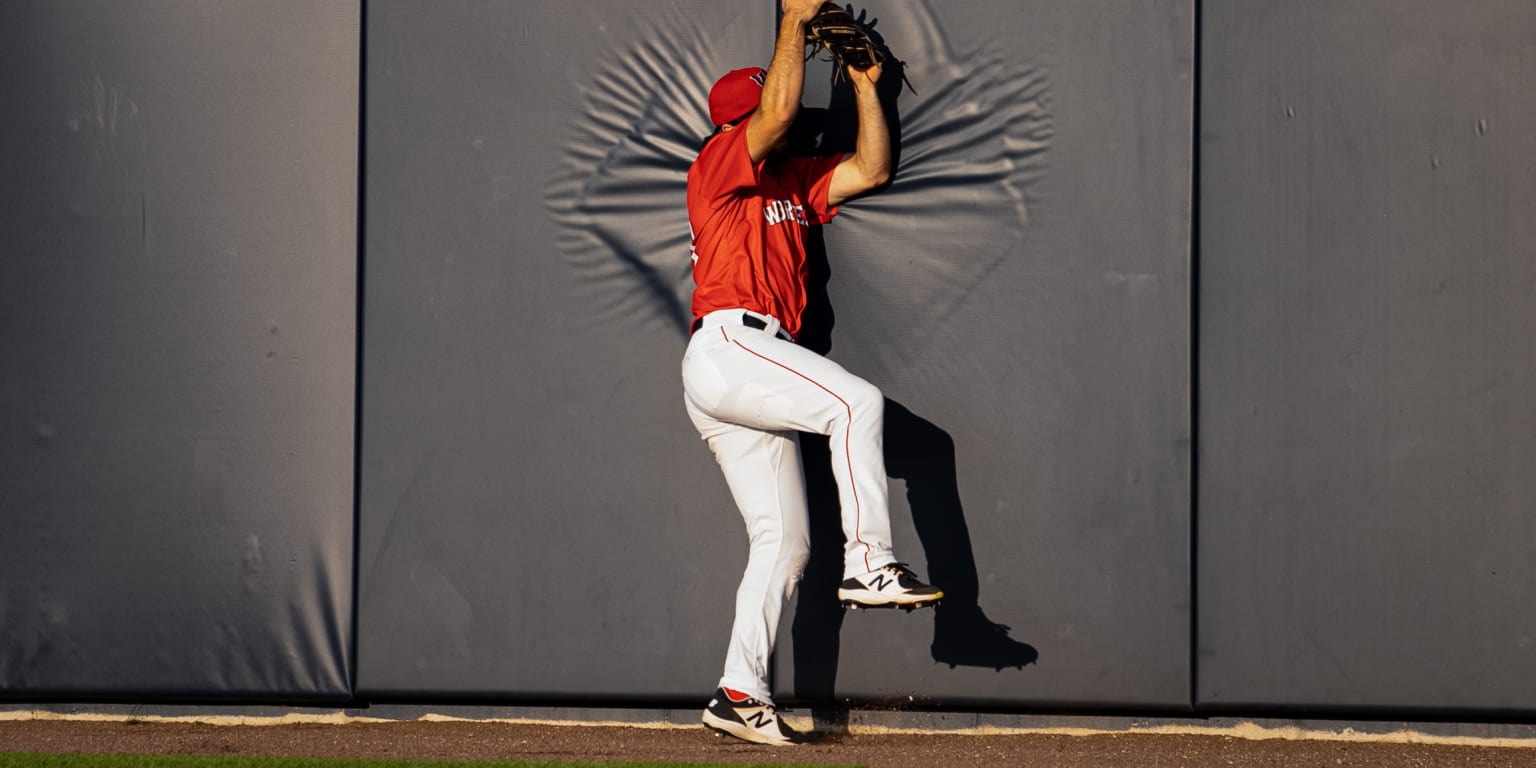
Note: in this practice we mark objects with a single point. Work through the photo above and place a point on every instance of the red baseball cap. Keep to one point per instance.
(736, 95)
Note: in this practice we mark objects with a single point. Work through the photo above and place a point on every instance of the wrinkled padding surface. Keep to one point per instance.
(538, 516)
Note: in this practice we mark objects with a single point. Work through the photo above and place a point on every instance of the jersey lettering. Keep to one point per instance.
(780, 211)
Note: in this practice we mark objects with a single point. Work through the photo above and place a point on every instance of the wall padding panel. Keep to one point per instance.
(177, 336)
(539, 518)
(1367, 424)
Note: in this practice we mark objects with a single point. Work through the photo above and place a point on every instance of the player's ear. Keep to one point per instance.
(732, 125)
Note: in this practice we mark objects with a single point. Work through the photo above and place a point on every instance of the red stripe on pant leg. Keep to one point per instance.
(858, 516)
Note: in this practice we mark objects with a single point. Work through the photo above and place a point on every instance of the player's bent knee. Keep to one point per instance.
(867, 400)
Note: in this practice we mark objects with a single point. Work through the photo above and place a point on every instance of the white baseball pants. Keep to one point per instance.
(749, 392)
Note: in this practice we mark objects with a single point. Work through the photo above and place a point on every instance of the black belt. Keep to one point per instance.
(750, 321)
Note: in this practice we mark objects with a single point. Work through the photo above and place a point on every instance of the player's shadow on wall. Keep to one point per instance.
(922, 455)
(917, 452)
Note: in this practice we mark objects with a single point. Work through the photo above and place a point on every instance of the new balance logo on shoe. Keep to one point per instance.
(760, 719)
(892, 586)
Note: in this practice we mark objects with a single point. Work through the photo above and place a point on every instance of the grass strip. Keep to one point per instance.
(24, 760)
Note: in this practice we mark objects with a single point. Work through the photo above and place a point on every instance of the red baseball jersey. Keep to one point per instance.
(749, 223)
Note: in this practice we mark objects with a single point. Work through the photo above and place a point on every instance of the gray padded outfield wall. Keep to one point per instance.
(537, 516)
(537, 519)
(177, 336)
(1368, 296)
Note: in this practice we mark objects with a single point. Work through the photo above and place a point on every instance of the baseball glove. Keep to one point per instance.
(835, 31)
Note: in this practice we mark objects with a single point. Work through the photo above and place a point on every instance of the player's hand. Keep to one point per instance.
(800, 9)
(865, 78)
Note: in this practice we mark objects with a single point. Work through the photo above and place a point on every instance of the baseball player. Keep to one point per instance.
(749, 389)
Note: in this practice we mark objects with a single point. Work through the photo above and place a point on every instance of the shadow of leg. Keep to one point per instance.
(818, 615)
(923, 455)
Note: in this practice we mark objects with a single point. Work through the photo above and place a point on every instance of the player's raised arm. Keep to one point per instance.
(870, 164)
(785, 82)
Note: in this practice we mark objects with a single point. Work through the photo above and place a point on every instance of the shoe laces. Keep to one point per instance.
(899, 568)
